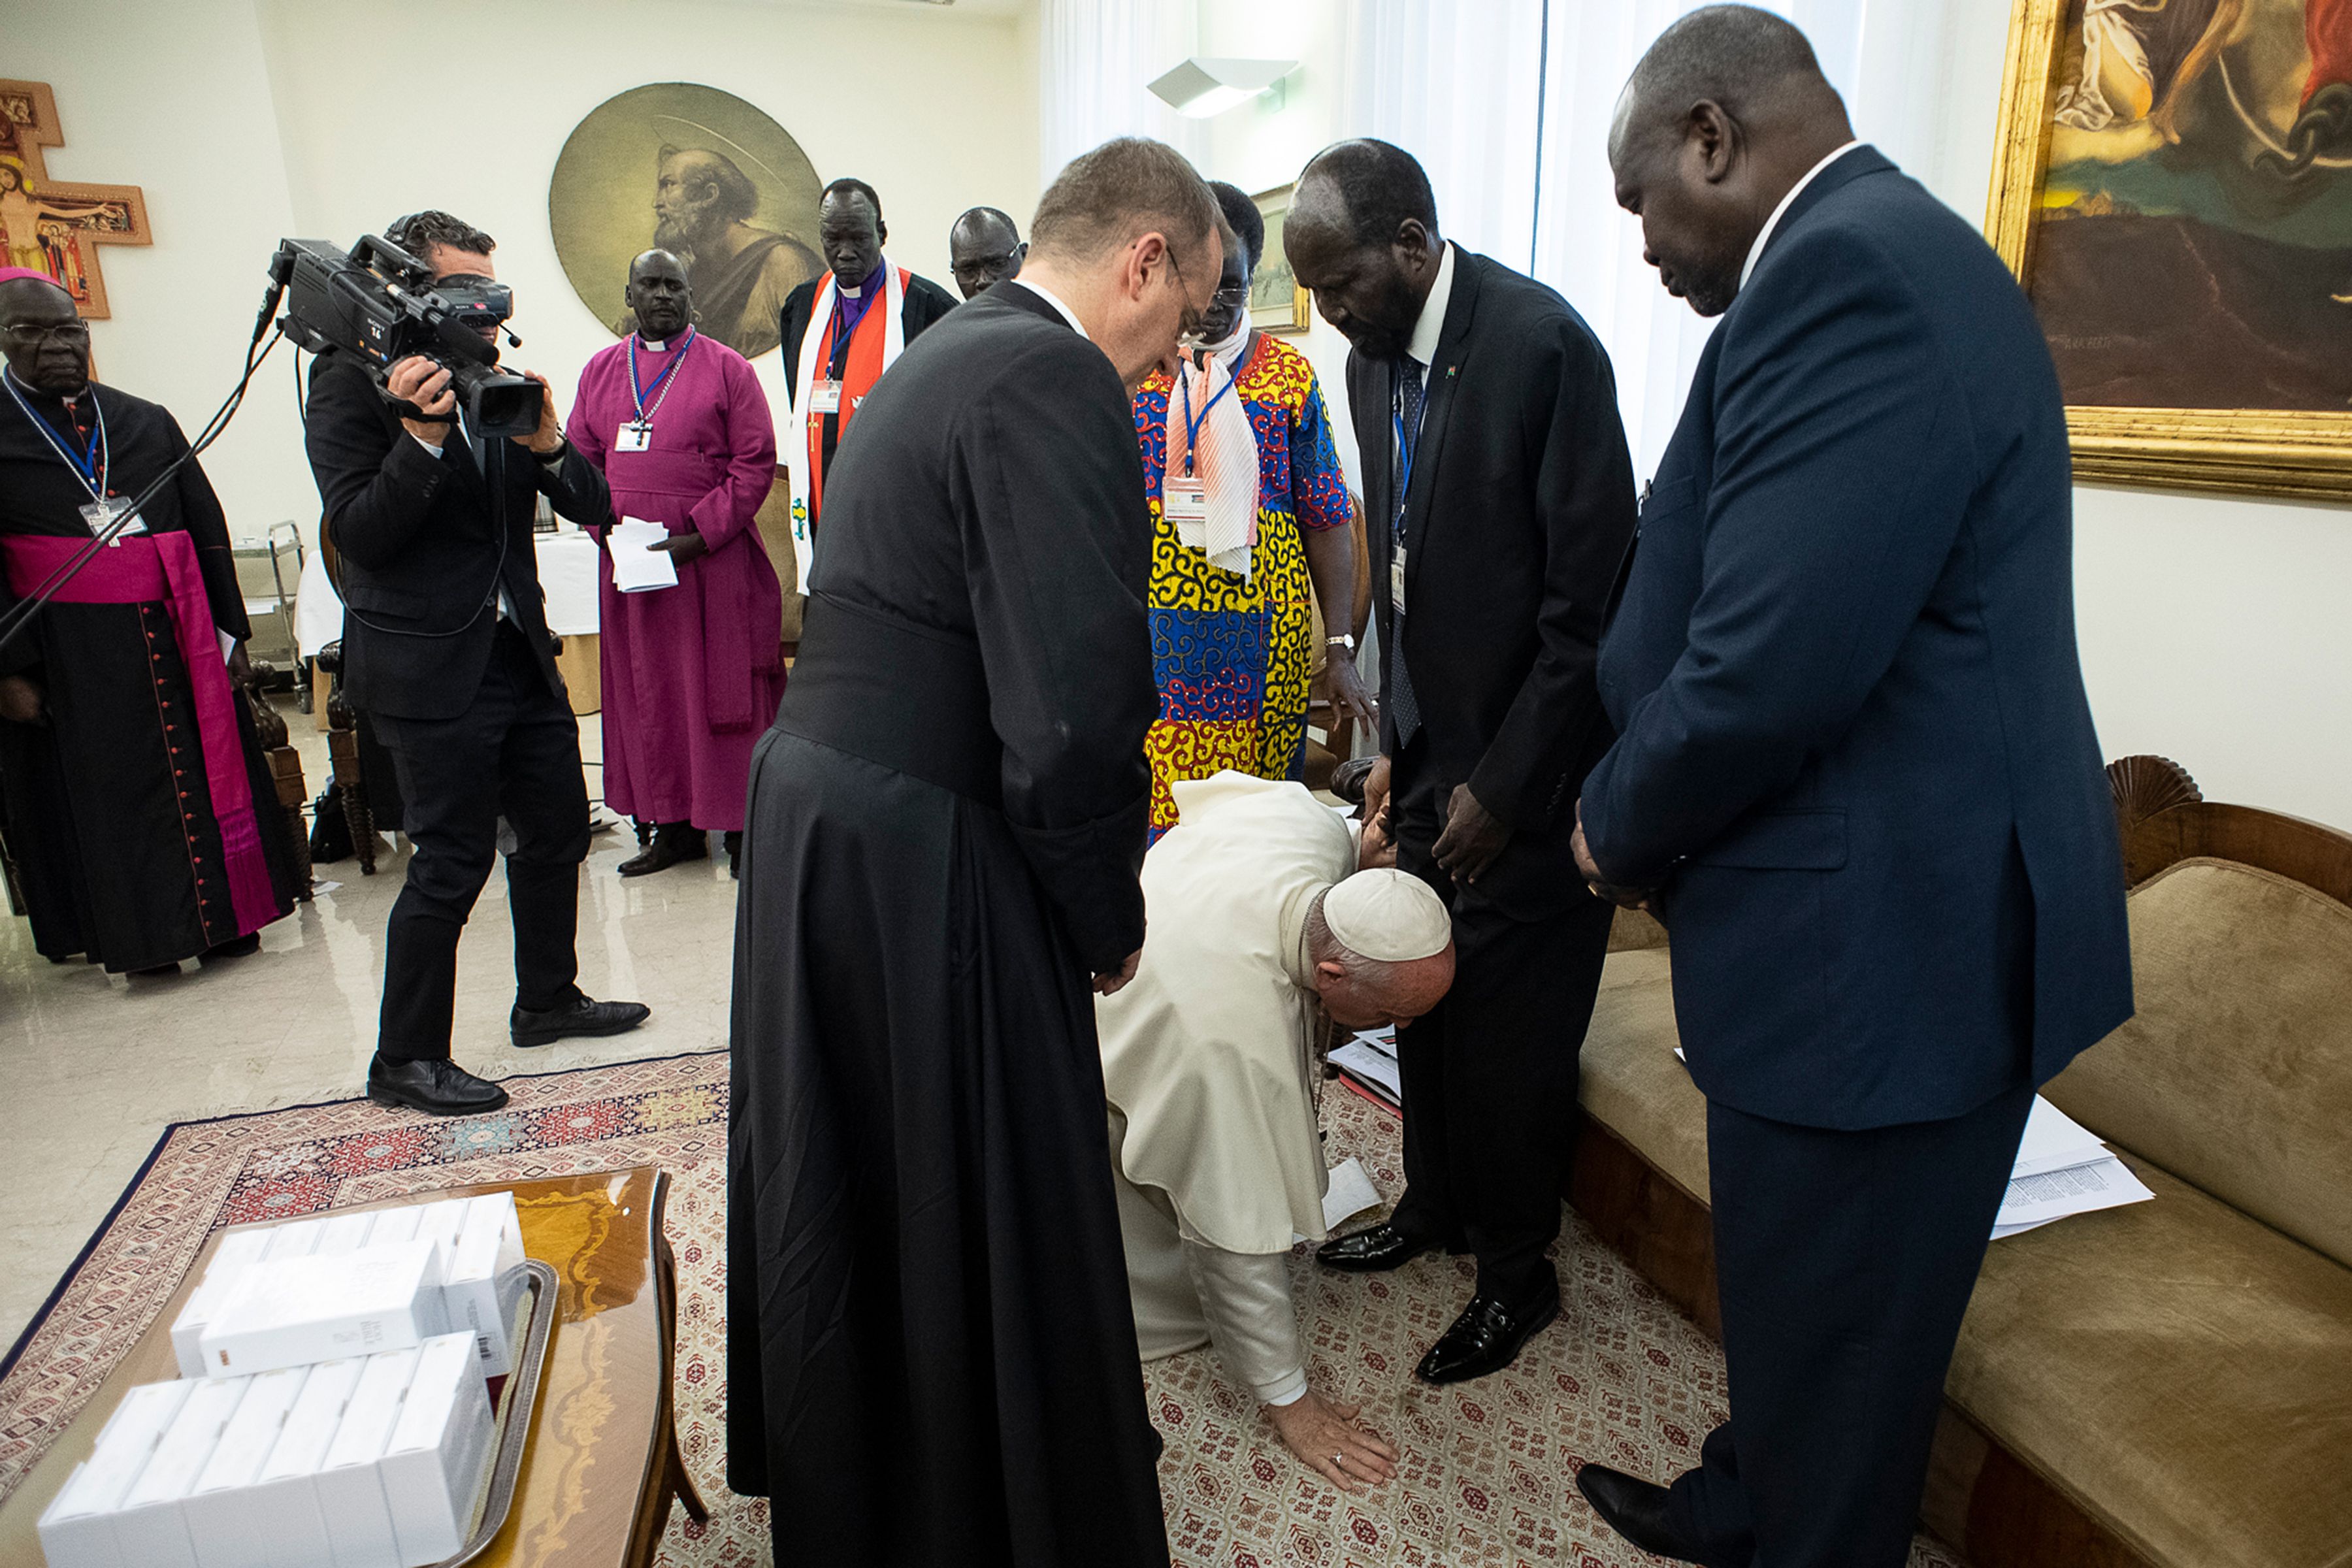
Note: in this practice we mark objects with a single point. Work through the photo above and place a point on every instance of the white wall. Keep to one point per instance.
(248, 119)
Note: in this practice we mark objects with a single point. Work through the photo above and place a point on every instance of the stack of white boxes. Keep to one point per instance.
(333, 1411)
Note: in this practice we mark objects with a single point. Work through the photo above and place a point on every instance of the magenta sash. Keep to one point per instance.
(139, 569)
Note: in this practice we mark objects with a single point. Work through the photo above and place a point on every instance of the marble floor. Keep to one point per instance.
(93, 1067)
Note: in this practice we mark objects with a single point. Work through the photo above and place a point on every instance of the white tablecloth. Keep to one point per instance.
(567, 570)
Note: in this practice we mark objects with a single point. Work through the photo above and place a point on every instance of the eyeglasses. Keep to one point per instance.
(1189, 327)
(1232, 298)
(983, 266)
(63, 332)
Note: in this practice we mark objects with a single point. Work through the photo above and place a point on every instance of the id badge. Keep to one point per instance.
(1185, 502)
(825, 397)
(634, 438)
(1396, 581)
(101, 515)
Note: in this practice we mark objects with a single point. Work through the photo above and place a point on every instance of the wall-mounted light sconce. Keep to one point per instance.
(1201, 88)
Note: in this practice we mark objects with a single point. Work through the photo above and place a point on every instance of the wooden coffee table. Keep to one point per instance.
(602, 1462)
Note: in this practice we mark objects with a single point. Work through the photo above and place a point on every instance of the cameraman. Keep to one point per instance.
(446, 647)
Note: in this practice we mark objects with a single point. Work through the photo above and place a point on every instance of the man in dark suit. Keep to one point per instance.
(446, 647)
(864, 311)
(1496, 475)
(1856, 776)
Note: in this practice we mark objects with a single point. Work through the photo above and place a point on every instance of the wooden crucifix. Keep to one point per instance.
(48, 225)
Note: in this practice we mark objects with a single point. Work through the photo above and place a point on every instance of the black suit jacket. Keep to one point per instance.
(1522, 506)
(417, 553)
(1857, 756)
(925, 303)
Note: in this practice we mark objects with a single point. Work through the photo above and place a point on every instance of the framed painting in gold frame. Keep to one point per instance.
(1277, 304)
(2172, 185)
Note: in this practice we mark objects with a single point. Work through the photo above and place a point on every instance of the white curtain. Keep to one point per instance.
(1455, 83)
(1095, 57)
(1508, 104)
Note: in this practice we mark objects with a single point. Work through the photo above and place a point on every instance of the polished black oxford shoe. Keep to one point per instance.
(436, 1087)
(1369, 1251)
(1636, 1510)
(580, 1017)
(1486, 1337)
(674, 844)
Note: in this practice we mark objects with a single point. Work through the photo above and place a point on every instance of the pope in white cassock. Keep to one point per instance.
(1258, 933)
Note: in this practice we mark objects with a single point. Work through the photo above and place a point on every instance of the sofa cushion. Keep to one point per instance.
(2236, 1073)
(2180, 1371)
(1631, 1081)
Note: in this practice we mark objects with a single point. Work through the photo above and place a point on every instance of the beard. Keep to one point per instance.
(684, 234)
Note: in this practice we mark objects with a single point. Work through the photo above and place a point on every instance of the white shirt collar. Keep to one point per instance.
(1057, 301)
(1431, 324)
(1756, 251)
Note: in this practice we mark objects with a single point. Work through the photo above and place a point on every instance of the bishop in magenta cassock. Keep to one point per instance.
(138, 808)
(678, 424)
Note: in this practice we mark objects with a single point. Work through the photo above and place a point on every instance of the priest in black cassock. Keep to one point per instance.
(931, 1360)
(140, 813)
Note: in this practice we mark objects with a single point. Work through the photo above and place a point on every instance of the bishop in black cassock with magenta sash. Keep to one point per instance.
(140, 810)
(931, 1358)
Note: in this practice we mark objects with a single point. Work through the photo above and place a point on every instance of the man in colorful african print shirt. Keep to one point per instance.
(1248, 507)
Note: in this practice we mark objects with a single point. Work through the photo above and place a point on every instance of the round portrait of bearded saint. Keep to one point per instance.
(682, 167)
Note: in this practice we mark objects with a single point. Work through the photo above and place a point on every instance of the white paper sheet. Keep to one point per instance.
(2054, 1141)
(637, 566)
(1370, 1063)
(1350, 1192)
(2104, 1183)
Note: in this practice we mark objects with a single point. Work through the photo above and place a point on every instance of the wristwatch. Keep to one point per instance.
(1345, 639)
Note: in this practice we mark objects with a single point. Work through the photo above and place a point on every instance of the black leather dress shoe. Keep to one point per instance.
(437, 1088)
(1635, 1509)
(673, 844)
(1370, 1251)
(245, 946)
(581, 1017)
(1486, 1337)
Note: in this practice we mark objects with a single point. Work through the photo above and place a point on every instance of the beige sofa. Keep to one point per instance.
(2166, 1386)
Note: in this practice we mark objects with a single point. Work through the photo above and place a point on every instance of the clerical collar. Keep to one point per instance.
(652, 345)
(858, 292)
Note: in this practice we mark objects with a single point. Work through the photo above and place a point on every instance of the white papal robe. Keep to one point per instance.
(1207, 1062)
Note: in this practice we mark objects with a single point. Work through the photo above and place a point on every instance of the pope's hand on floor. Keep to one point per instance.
(1330, 1441)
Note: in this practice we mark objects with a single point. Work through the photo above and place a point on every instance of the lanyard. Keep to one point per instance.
(90, 465)
(1191, 425)
(1405, 451)
(661, 383)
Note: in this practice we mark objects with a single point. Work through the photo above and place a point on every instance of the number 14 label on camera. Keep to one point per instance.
(634, 438)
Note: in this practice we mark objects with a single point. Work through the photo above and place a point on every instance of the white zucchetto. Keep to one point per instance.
(1388, 916)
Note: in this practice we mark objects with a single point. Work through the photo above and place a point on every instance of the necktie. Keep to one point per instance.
(1403, 707)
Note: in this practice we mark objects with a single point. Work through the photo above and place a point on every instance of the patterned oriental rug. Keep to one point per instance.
(1486, 1468)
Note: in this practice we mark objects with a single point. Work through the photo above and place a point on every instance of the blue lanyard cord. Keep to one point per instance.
(1191, 425)
(638, 391)
(92, 463)
(1404, 462)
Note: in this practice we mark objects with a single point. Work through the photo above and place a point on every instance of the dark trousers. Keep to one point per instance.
(1843, 1263)
(514, 754)
(1489, 1073)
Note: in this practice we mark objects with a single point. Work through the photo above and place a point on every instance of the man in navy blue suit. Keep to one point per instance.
(1856, 775)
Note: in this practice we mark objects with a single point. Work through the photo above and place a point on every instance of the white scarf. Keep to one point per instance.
(791, 442)
(1225, 458)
